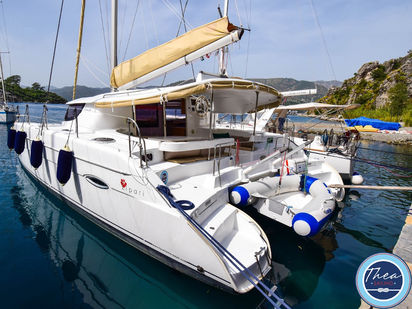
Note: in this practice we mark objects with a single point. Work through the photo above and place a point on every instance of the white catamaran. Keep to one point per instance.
(144, 164)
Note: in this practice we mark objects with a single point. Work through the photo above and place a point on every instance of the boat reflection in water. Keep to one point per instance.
(298, 261)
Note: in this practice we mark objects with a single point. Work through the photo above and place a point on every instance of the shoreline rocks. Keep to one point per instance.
(401, 137)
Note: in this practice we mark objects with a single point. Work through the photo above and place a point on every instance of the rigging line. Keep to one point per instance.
(85, 61)
(182, 206)
(184, 25)
(364, 160)
(377, 163)
(153, 22)
(182, 21)
(83, 57)
(108, 39)
(229, 60)
(238, 14)
(6, 37)
(393, 173)
(315, 123)
(248, 39)
(131, 30)
(385, 151)
(175, 11)
(55, 47)
(122, 25)
(106, 48)
(145, 30)
(323, 38)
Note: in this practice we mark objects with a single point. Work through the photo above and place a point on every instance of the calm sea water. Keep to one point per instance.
(50, 257)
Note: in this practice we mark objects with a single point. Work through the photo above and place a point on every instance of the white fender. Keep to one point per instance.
(356, 178)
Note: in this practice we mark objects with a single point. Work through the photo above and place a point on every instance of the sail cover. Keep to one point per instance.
(171, 51)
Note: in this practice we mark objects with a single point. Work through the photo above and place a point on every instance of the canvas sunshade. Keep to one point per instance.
(168, 52)
(195, 89)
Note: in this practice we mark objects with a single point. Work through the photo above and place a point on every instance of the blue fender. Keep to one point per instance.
(64, 165)
(36, 155)
(243, 194)
(11, 138)
(20, 142)
(315, 225)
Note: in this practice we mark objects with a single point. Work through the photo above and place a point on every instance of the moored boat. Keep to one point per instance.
(7, 112)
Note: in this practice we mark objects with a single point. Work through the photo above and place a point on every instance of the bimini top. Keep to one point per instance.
(177, 52)
(314, 106)
(235, 96)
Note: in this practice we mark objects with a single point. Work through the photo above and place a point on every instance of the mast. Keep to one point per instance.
(223, 51)
(226, 8)
(114, 34)
(79, 46)
(2, 83)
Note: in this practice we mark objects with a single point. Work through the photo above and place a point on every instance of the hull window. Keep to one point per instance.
(96, 182)
(73, 111)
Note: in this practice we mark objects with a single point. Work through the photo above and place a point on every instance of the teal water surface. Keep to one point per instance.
(51, 257)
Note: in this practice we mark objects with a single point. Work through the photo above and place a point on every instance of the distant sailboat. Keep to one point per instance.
(7, 113)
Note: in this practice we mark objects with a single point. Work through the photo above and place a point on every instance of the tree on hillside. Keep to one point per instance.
(36, 86)
(398, 98)
(35, 93)
(379, 73)
(13, 80)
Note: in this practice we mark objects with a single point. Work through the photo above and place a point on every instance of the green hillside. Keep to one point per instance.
(35, 93)
(384, 91)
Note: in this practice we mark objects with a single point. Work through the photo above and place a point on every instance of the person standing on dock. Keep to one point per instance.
(281, 120)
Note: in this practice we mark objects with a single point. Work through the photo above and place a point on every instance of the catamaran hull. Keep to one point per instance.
(344, 164)
(116, 194)
(127, 239)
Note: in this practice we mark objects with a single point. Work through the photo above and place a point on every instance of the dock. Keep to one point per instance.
(403, 249)
(401, 137)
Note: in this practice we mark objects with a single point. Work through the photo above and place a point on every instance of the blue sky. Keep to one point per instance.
(284, 42)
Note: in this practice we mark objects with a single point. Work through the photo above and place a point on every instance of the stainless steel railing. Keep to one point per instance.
(141, 143)
(217, 150)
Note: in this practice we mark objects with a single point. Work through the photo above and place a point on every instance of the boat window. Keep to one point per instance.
(147, 116)
(175, 110)
(176, 118)
(73, 111)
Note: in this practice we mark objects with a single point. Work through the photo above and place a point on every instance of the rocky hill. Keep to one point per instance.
(383, 89)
